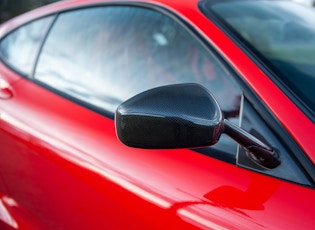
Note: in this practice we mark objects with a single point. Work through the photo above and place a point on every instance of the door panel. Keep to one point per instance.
(64, 165)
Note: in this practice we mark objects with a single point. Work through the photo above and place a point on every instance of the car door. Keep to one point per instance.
(62, 165)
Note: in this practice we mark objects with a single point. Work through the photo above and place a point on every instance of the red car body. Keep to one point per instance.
(62, 166)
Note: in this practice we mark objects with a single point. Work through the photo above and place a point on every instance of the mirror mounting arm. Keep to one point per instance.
(257, 151)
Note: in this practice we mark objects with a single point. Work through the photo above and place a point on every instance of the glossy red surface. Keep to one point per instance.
(62, 166)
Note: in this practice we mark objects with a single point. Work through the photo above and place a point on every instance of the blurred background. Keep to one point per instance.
(11, 8)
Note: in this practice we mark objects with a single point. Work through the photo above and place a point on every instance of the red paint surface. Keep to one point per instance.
(62, 166)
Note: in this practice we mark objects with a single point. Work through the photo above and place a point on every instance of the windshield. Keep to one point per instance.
(282, 34)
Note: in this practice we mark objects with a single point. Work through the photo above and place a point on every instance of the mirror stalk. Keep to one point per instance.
(257, 151)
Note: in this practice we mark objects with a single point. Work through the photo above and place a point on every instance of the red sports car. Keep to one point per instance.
(158, 114)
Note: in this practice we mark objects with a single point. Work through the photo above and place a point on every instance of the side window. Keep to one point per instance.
(20, 48)
(105, 55)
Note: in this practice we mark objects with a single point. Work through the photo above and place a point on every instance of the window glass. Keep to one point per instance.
(20, 48)
(283, 34)
(113, 53)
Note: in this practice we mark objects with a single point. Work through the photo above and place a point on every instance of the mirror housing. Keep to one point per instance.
(176, 116)
(183, 116)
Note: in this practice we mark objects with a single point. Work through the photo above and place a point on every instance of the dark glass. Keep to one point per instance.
(283, 34)
(20, 48)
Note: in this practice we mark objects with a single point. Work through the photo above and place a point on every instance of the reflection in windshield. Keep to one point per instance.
(284, 34)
